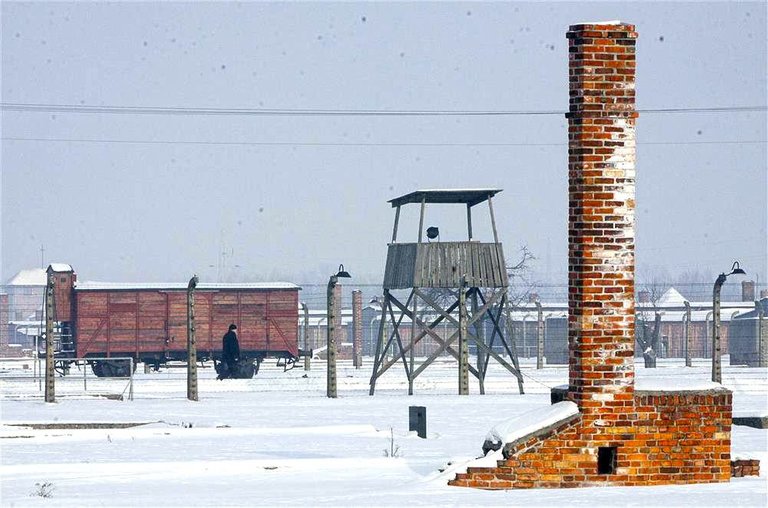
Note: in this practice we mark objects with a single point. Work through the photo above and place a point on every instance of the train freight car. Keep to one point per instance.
(148, 322)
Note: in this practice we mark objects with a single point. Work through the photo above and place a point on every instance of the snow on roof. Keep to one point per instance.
(128, 286)
(60, 267)
(666, 384)
(671, 297)
(611, 22)
(527, 423)
(32, 277)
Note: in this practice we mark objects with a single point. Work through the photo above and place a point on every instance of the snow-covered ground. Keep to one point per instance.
(277, 439)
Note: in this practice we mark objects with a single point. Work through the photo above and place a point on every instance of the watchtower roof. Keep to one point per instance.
(471, 197)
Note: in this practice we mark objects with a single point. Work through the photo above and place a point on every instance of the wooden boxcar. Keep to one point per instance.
(148, 321)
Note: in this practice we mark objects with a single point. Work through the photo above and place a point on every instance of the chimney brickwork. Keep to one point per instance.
(621, 435)
(601, 218)
(747, 291)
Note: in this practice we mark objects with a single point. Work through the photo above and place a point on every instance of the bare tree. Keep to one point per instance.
(649, 340)
(519, 271)
(648, 329)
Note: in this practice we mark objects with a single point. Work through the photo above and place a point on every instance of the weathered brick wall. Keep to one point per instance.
(673, 438)
(601, 176)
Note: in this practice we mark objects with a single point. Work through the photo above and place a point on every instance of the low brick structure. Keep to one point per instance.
(745, 467)
(671, 438)
(620, 435)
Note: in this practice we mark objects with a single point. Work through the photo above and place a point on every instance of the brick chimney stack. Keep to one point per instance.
(747, 291)
(601, 217)
(621, 434)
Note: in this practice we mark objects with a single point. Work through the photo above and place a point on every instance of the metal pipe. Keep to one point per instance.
(717, 375)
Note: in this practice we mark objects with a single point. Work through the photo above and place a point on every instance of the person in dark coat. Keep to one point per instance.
(230, 354)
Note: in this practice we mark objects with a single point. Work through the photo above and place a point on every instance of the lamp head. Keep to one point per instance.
(736, 269)
(343, 273)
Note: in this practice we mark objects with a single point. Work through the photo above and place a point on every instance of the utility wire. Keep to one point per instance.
(351, 144)
(165, 110)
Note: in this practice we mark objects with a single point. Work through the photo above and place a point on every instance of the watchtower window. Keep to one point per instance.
(606, 460)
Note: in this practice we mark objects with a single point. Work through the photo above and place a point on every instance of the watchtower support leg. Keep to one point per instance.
(381, 365)
(379, 342)
(511, 339)
(480, 337)
(412, 347)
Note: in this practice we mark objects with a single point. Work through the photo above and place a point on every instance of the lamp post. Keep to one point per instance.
(331, 351)
(191, 341)
(716, 369)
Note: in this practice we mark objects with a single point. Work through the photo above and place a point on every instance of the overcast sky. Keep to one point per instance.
(157, 197)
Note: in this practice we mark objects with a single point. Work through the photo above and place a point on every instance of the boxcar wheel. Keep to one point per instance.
(113, 368)
(97, 369)
(246, 369)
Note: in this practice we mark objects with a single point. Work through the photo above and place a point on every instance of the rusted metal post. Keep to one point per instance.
(539, 335)
(50, 383)
(191, 343)
(307, 352)
(687, 334)
(463, 352)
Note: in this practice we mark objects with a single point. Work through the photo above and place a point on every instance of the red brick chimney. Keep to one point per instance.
(601, 216)
(747, 291)
(614, 434)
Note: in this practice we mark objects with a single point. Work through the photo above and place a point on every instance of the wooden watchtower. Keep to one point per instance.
(472, 274)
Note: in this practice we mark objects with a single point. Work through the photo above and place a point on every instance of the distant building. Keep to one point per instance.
(21, 310)
(25, 292)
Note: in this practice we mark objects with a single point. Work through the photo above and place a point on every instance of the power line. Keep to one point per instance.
(169, 110)
(350, 144)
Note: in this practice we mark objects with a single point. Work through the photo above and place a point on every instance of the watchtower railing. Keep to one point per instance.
(442, 265)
